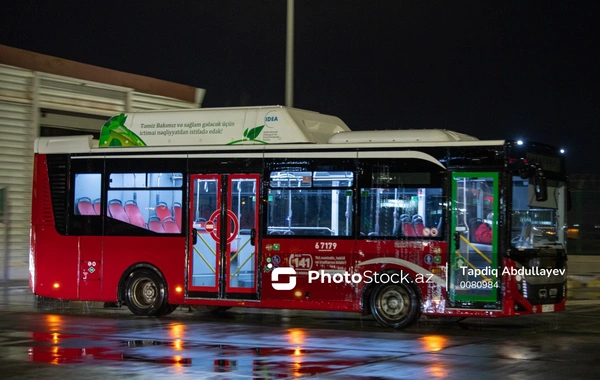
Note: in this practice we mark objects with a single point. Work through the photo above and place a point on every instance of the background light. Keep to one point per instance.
(519, 142)
(562, 150)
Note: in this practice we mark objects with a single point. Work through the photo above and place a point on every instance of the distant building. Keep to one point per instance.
(584, 216)
(42, 95)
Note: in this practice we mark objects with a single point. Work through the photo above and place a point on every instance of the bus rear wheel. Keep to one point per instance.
(145, 293)
(395, 305)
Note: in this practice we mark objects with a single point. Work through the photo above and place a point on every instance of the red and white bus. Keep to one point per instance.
(276, 207)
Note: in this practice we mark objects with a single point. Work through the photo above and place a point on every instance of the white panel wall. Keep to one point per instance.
(66, 102)
(17, 131)
(144, 102)
(80, 96)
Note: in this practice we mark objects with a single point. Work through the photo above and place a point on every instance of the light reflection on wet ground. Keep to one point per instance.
(76, 340)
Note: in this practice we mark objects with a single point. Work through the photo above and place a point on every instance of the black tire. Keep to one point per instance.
(145, 293)
(167, 309)
(395, 305)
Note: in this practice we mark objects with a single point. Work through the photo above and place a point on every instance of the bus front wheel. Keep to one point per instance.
(145, 293)
(395, 305)
(167, 309)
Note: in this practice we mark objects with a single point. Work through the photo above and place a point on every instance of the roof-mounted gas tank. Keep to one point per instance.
(399, 136)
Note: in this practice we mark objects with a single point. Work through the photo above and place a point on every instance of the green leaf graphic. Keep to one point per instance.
(115, 133)
(246, 132)
(254, 132)
(114, 122)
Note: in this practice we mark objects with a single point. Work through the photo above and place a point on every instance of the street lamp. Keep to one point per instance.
(289, 56)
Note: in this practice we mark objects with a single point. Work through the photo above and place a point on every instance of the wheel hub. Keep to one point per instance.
(144, 292)
(149, 292)
(393, 304)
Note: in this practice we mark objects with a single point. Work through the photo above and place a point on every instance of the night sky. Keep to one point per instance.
(492, 69)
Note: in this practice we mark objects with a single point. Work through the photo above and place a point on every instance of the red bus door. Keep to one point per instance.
(222, 258)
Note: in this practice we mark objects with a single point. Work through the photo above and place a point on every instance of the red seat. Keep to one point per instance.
(162, 211)
(85, 207)
(154, 224)
(407, 227)
(177, 213)
(134, 214)
(418, 225)
(116, 211)
(170, 226)
(97, 205)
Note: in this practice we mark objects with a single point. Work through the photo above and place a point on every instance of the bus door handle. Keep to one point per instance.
(457, 240)
(194, 236)
(253, 237)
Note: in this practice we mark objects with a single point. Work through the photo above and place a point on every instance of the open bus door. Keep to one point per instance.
(223, 247)
(473, 264)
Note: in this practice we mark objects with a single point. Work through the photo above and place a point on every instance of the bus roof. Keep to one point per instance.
(253, 127)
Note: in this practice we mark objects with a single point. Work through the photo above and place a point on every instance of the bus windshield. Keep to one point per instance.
(537, 224)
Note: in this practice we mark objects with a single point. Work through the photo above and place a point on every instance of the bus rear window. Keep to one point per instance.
(87, 194)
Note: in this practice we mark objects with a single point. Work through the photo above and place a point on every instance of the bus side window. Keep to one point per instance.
(310, 203)
(144, 198)
(87, 187)
(401, 212)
